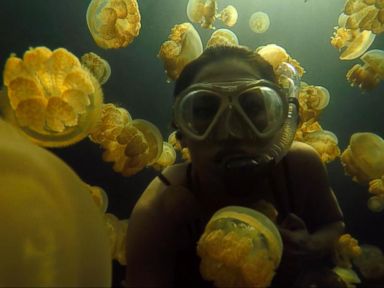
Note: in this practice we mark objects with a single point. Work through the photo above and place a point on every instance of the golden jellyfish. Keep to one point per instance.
(113, 23)
(183, 46)
(99, 67)
(185, 155)
(223, 37)
(228, 15)
(369, 75)
(275, 55)
(346, 249)
(240, 247)
(52, 233)
(203, 12)
(362, 159)
(371, 262)
(354, 41)
(167, 157)
(312, 100)
(259, 22)
(50, 97)
(325, 143)
(117, 231)
(365, 15)
(99, 196)
(376, 202)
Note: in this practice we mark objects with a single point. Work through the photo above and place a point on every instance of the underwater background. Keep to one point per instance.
(138, 83)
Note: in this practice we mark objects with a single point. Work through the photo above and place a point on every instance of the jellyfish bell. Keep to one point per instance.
(203, 12)
(325, 143)
(195, 10)
(183, 46)
(52, 233)
(359, 42)
(229, 15)
(259, 22)
(167, 157)
(223, 37)
(113, 24)
(99, 67)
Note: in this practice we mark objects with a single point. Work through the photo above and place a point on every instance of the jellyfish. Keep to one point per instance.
(325, 143)
(99, 67)
(368, 76)
(362, 159)
(50, 97)
(276, 55)
(203, 12)
(240, 247)
(365, 15)
(259, 22)
(228, 15)
(183, 46)
(117, 231)
(185, 155)
(371, 262)
(113, 23)
(312, 100)
(376, 202)
(52, 233)
(223, 37)
(167, 157)
(346, 249)
(99, 196)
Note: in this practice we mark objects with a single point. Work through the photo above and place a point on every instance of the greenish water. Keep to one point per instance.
(138, 82)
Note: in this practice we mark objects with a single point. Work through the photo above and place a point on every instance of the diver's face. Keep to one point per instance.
(227, 138)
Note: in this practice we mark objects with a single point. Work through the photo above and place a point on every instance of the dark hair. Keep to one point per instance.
(218, 53)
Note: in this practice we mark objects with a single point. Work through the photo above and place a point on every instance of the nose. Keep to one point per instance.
(231, 125)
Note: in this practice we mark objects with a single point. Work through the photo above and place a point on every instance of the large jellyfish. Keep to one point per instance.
(276, 54)
(362, 159)
(223, 37)
(183, 46)
(365, 15)
(259, 22)
(369, 75)
(240, 247)
(228, 15)
(52, 233)
(99, 67)
(355, 41)
(203, 12)
(312, 100)
(50, 96)
(113, 23)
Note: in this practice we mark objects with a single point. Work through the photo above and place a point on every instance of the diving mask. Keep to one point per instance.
(261, 104)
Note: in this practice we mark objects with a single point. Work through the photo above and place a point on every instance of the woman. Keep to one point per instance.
(237, 118)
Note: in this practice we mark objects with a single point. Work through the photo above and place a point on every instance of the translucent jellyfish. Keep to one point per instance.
(183, 46)
(325, 143)
(365, 15)
(51, 97)
(203, 12)
(52, 234)
(369, 75)
(259, 22)
(362, 159)
(276, 55)
(228, 15)
(167, 157)
(240, 247)
(371, 262)
(99, 196)
(223, 37)
(312, 100)
(376, 202)
(346, 249)
(113, 23)
(117, 231)
(99, 67)
(185, 155)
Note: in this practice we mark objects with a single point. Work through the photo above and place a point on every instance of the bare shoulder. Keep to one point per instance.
(304, 156)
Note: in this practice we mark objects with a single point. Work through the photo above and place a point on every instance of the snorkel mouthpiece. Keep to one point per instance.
(244, 165)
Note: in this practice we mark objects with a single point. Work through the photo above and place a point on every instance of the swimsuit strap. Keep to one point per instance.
(164, 179)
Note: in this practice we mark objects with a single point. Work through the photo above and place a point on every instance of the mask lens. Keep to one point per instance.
(264, 108)
(198, 110)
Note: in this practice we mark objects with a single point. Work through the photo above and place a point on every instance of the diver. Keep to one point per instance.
(238, 118)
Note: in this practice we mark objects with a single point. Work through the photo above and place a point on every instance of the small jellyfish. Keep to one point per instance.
(346, 249)
(99, 67)
(312, 100)
(99, 196)
(276, 55)
(259, 22)
(325, 143)
(49, 223)
(368, 76)
(117, 231)
(183, 46)
(223, 37)
(203, 12)
(113, 23)
(228, 15)
(185, 155)
(371, 262)
(362, 159)
(167, 157)
(51, 97)
(240, 247)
